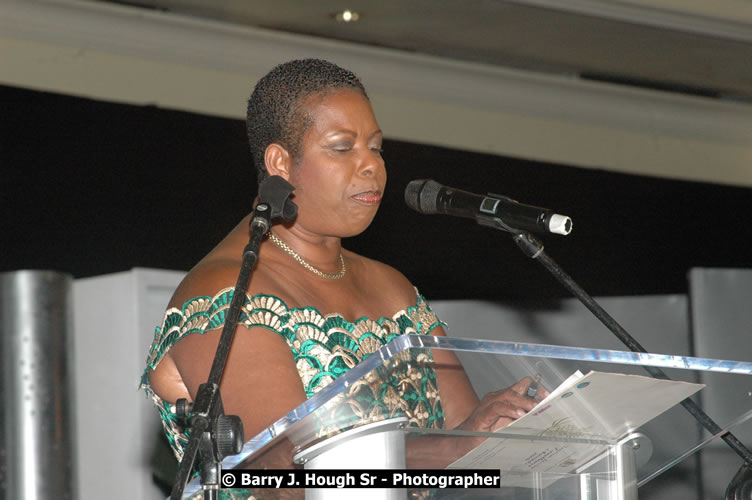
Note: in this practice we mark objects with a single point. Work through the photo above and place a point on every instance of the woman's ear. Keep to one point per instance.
(278, 161)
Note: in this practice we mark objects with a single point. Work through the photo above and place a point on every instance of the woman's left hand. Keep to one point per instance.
(500, 408)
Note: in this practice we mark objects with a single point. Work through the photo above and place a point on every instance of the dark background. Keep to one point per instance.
(91, 187)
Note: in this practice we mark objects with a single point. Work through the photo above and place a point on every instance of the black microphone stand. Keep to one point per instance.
(213, 435)
(740, 487)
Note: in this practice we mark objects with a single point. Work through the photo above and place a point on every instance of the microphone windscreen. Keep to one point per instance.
(275, 191)
(421, 195)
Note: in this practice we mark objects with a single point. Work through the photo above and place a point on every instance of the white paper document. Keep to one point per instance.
(598, 406)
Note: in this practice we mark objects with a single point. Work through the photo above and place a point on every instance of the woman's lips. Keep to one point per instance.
(369, 197)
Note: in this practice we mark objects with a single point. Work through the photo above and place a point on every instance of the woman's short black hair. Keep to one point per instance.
(276, 113)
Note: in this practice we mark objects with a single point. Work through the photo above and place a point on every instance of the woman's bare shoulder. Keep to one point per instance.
(211, 276)
(220, 268)
(387, 279)
(205, 279)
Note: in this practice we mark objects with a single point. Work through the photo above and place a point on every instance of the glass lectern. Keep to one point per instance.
(606, 429)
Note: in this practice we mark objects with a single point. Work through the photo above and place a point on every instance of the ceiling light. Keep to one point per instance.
(347, 16)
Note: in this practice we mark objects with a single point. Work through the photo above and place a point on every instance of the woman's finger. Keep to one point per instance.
(507, 409)
(521, 386)
(513, 398)
(502, 422)
(543, 393)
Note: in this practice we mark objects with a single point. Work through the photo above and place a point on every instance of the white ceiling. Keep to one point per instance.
(639, 87)
(685, 46)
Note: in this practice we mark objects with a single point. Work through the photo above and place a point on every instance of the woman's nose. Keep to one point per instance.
(371, 164)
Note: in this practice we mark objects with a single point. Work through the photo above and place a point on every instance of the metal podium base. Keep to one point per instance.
(380, 445)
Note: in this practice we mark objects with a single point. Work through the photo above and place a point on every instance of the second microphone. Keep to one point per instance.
(429, 197)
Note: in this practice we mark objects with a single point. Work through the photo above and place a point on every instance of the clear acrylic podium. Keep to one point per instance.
(325, 433)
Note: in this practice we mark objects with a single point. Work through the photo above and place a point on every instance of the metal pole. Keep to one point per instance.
(36, 418)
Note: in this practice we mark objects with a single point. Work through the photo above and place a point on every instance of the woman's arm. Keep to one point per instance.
(260, 382)
(464, 411)
(462, 408)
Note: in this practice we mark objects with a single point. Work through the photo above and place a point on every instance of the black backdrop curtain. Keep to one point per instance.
(92, 187)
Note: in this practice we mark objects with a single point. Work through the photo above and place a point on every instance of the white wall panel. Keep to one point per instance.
(114, 320)
(721, 301)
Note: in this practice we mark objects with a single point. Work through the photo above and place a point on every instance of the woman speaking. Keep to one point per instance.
(313, 309)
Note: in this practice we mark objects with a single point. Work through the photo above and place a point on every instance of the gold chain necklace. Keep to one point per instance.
(281, 244)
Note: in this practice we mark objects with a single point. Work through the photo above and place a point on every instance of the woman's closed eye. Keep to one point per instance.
(341, 148)
(346, 148)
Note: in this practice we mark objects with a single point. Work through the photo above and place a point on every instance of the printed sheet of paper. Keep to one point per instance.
(597, 406)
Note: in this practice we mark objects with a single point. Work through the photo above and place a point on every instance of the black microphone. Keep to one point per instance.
(501, 212)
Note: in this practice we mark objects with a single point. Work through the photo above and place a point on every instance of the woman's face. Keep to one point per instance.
(340, 177)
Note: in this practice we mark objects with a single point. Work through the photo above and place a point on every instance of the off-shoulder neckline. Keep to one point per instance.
(419, 300)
